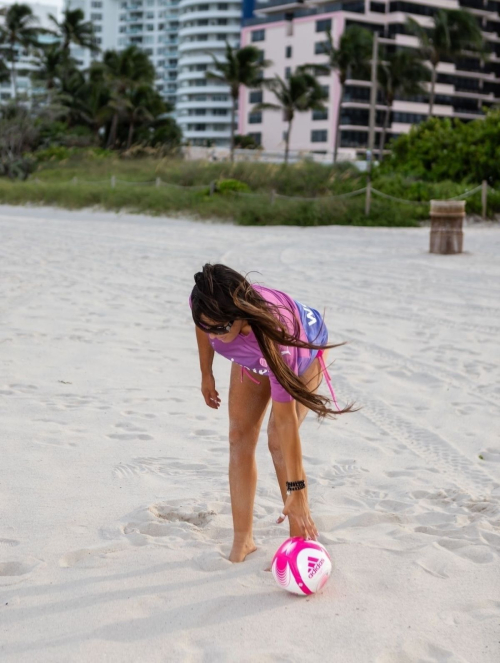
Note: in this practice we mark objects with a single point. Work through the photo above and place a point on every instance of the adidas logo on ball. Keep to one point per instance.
(314, 564)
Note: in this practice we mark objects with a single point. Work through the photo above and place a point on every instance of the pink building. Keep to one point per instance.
(291, 33)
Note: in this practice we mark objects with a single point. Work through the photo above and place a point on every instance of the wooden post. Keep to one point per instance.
(158, 181)
(368, 197)
(447, 218)
(212, 188)
(484, 198)
(113, 181)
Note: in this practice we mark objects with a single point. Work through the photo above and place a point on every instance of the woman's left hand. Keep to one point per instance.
(297, 510)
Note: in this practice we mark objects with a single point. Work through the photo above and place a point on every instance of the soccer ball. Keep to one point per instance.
(301, 567)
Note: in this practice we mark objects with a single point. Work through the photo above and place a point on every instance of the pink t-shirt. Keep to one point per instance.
(245, 351)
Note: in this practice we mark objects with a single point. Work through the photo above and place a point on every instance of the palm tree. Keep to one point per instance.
(454, 32)
(74, 30)
(19, 29)
(4, 72)
(402, 72)
(242, 66)
(145, 104)
(50, 59)
(350, 60)
(299, 93)
(124, 72)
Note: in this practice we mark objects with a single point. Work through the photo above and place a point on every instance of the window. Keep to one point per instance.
(288, 52)
(150, 27)
(255, 118)
(95, 17)
(255, 97)
(258, 35)
(97, 28)
(96, 5)
(222, 6)
(320, 114)
(219, 111)
(323, 25)
(257, 138)
(150, 16)
(377, 7)
(320, 47)
(319, 136)
(288, 72)
(326, 91)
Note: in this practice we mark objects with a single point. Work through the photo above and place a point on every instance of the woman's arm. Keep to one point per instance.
(296, 506)
(206, 352)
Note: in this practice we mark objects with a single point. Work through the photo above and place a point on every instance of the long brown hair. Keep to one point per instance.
(222, 294)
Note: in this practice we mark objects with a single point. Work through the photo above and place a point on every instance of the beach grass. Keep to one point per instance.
(310, 189)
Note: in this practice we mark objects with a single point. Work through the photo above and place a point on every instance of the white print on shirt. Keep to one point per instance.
(310, 315)
(262, 362)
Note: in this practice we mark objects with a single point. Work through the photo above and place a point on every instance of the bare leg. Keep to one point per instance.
(312, 377)
(247, 406)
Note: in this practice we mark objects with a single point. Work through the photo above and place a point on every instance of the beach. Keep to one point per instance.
(116, 518)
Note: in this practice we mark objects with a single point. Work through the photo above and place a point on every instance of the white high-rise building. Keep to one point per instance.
(204, 106)
(152, 25)
(25, 63)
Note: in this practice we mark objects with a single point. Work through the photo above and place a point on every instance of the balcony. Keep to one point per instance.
(212, 45)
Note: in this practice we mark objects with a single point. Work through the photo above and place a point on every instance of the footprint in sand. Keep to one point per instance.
(491, 454)
(91, 558)
(178, 521)
(14, 572)
(479, 611)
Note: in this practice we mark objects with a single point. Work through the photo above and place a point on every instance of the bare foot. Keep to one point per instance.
(241, 550)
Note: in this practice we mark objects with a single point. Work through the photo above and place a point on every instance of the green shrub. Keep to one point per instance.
(53, 153)
(231, 186)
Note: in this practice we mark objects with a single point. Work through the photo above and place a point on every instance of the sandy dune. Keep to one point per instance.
(115, 513)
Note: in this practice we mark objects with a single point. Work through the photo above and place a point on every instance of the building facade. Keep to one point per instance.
(203, 108)
(25, 63)
(294, 33)
(180, 37)
(152, 25)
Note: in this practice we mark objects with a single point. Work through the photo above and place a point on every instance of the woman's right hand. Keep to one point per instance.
(210, 394)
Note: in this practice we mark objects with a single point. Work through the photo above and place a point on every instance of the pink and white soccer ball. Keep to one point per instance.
(301, 567)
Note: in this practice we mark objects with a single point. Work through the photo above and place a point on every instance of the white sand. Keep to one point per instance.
(115, 513)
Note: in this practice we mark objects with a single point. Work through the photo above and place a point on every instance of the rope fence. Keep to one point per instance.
(273, 195)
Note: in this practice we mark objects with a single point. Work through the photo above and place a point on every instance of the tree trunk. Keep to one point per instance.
(233, 113)
(384, 131)
(433, 89)
(112, 132)
(337, 128)
(13, 69)
(130, 134)
(287, 144)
